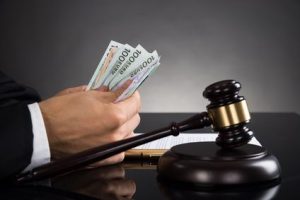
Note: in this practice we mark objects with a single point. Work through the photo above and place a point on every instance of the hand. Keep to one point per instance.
(107, 182)
(78, 120)
(72, 90)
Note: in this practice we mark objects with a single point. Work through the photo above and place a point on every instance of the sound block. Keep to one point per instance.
(205, 164)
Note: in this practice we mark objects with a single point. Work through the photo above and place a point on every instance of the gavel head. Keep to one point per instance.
(229, 113)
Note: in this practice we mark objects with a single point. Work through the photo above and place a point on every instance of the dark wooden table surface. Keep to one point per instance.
(278, 132)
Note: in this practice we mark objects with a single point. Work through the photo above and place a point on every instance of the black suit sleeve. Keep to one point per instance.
(16, 137)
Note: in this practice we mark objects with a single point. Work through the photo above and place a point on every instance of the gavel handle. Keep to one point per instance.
(102, 152)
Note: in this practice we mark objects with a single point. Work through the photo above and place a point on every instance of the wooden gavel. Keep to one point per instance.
(227, 113)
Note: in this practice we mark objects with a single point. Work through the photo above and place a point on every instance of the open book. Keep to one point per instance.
(158, 147)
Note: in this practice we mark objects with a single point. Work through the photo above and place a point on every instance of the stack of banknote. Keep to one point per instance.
(120, 63)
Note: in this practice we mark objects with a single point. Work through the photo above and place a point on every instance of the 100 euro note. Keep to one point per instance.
(136, 83)
(133, 57)
(117, 62)
(98, 75)
(121, 63)
(138, 76)
(129, 65)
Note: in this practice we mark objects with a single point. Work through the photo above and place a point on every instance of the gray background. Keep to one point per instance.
(55, 44)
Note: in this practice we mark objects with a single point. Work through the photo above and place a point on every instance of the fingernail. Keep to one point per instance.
(103, 89)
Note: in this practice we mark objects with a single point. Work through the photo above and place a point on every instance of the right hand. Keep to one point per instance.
(80, 120)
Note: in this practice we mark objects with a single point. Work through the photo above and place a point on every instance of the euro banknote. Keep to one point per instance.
(120, 63)
(109, 53)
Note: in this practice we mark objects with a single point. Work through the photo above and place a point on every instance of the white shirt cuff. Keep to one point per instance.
(41, 150)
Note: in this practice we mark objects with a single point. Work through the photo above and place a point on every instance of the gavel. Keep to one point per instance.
(227, 113)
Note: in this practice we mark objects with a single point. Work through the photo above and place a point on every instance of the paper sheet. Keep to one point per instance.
(170, 141)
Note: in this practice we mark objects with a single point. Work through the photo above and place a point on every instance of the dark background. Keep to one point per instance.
(55, 44)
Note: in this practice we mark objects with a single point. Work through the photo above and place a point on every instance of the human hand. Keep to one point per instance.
(72, 90)
(76, 121)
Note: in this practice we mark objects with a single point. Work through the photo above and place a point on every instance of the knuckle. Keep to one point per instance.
(138, 100)
(107, 187)
(138, 118)
(132, 185)
(90, 96)
(116, 159)
(66, 91)
(115, 137)
(117, 117)
(120, 157)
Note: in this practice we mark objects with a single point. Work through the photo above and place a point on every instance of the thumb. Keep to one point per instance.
(115, 94)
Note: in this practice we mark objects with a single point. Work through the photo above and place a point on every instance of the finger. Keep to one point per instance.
(122, 88)
(123, 187)
(115, 94)
(102, 95)
(130, 126)
(106, 172)
(111, 96)
(102, 89)
(126, 130)
(132, 134)
(130, 106)
(76, 89)
(109, 161)
(79, 88)
(72, 90)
